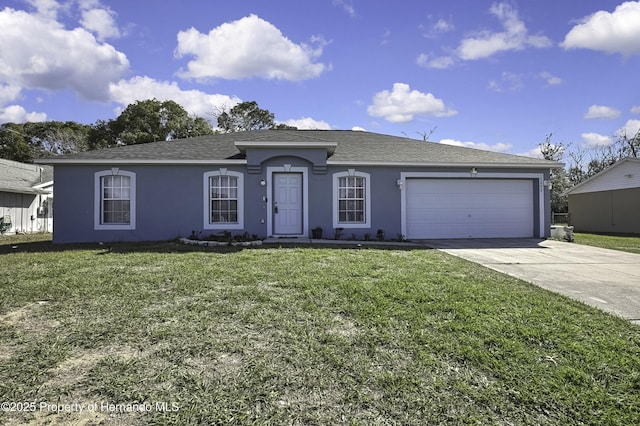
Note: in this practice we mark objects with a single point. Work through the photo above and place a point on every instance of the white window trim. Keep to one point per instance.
(367, 201)
(207, 200)
(97, 201)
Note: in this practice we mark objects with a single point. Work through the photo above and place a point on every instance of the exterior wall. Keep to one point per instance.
(606, 211)
(170, 201)
(23, 209)
(623, 175)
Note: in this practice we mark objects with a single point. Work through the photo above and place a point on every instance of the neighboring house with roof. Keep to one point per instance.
(26, 197)
(608, 202)
(284, 183)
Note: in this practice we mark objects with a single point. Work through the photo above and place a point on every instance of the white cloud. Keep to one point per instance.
(498, 147)
(202, 104)
(487, 43)
(40, 53)
(593, 140)
(601, 111)
(437, 28)
(515, 36)
(347, 5)
(551, 79)
(402, 104)
(443, 26)
(439, 62)
(630, 129)
(615, 32)
(8, 93)
(358, 129)
(635, 109)
(17, 114)
(533, 153)
(248, 47)
(101, 22)
(308, 123)
(509, 81)
(47, 9)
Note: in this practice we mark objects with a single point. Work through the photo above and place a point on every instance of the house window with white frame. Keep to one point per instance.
(223, 200)
(352, 200)
(114, 200)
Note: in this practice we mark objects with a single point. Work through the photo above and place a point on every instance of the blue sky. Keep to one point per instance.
(496, 75)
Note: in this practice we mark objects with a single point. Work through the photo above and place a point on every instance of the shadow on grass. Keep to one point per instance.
(15, 245)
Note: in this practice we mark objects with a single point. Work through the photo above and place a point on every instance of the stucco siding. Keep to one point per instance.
(170, 202)
(606, 211)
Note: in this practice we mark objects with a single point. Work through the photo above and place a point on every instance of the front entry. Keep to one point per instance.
(287, 204)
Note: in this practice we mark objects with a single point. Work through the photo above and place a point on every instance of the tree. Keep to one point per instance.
(14, 143)
(56, 137)
(589, 162)
(150, 121)
(246, 116)
(24, 142)
(102, 135)
(559, 180)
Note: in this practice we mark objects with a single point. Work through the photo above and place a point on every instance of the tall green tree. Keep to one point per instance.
(51, 138)
(24, 142)
(150, 121)
(14, 144)
(248, 116)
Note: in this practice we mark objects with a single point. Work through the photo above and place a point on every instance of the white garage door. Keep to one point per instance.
(469, 208)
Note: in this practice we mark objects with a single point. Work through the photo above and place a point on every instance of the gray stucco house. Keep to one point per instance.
(608, 202)
(287, 182)
(26, 197)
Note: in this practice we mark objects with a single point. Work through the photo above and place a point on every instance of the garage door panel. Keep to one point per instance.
(469, 208)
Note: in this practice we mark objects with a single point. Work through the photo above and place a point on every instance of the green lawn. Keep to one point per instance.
(630, 244)
(299, 336)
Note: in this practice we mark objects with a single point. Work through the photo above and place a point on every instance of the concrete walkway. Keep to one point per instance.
(606, 279)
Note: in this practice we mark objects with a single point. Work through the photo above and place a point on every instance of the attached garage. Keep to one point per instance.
(469, 208)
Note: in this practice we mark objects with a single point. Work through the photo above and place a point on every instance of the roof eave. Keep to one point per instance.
(445, 164)
(600, 173)
(97, 161)
(32, 191)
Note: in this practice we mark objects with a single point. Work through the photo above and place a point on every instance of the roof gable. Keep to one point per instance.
(23, 178)
(347, 147)
(623, 174)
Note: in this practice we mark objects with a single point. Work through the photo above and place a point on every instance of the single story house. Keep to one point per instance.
(284, 183)
(608, 202)
(26, 197)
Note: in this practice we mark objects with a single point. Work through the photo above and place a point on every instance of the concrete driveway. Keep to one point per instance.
(606, 279)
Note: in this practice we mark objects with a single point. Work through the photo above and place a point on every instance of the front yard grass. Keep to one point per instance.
(299, 336)
(629, 244)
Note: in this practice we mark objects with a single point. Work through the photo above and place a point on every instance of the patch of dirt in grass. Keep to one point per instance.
(27, 318)
(63, 399)
(344, 327)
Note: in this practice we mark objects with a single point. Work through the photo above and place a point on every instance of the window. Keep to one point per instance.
(352, 200)
(223, 200)
(114, 200)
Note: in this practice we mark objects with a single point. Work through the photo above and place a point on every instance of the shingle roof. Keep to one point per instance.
(352, 146)
(22, 178)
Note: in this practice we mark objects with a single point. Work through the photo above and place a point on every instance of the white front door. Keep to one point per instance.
(287, 204)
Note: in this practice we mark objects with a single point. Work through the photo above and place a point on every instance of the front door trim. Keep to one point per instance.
(287, 168)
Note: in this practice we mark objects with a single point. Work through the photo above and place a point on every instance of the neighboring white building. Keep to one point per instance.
(608, 202)
(26, 197)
